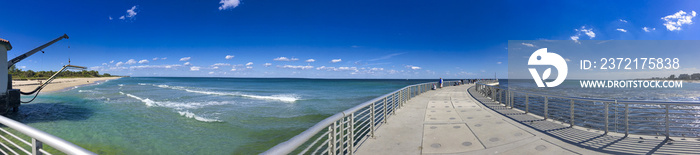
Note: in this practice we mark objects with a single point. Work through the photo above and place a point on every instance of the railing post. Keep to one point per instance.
(606, 117)
(571, 122)
(36, 145)
(546, 102)
(668, 123)
(385, 106)
(394, 101)
(352, 134)
(627, 113)
(372, 121)
(341, 139)
(331, 138)
(527, 104)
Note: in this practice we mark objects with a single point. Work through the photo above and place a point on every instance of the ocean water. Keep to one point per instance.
(195, 115)
(689, 92)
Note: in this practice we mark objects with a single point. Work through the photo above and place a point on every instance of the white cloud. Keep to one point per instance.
(528, 44)
(211, 72)
(336, 60)
(588, 32)
(567, 59)
(249, 67)
(185, 59)
(229, 4)
(119, 63)
(233, 69)
(23, 67)
(194, 68)
(622, 30)
(131, 62)
(249, 63)
(646, 29)
(221, 64)
(187, 63)
(499, 62)
(154, 59)
(267, 64)
(143, 61)
(337, 68)
(624, 21)
(575, 38)
(281, 59)
(675, 21)
(131, 13)
(296, 67)
(111, 61)
(412, 67)
(229, 56)
(163, 58)
(310, 60)
(294, 59)
(110, 18)
(104, 64)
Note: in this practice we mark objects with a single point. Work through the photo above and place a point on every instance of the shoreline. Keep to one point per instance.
(58, 85)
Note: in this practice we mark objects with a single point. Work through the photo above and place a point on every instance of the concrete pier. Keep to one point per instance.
(457, 120)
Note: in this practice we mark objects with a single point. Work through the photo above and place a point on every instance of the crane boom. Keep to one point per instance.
(30, 53)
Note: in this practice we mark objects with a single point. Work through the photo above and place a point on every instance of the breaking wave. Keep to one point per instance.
(180, 106)
(283, 98)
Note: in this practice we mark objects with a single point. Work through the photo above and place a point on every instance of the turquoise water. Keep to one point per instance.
(195, 115)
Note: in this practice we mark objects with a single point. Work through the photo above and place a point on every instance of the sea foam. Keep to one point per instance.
(283, 98)
(179, 106)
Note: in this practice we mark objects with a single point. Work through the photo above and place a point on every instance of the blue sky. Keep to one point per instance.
(367, 39)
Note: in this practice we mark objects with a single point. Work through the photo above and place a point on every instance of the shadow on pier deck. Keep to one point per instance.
(457, 120)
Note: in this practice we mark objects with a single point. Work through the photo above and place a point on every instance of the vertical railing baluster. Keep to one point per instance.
(385, 106)
(341, 139)
(372, 121)
(668, 123)
(36, 146)
(332, 139)
(546, 102)
(627, 121)
(352, 133)
(571, 122)
(606, 117)
(527, 104)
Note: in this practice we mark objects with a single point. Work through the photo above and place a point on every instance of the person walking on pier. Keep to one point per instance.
(440, 82)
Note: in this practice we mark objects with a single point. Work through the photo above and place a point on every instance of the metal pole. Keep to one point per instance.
(385, 110)
(527, 104)
(571, 122)
(668, 133)
(627, 113)
(372, 121)
(36, 145)
(606, 117)
(546, 102)
(352, 133)
(332, 138)
(341, 146)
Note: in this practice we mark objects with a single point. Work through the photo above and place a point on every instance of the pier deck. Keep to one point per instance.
(452, 121)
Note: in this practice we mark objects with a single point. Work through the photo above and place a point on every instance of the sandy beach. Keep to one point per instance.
(57, 84)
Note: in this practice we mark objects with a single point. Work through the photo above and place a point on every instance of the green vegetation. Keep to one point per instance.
(19, 74)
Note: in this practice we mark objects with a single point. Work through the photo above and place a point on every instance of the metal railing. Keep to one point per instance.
(656, 118)
(9, 143)
(343, 132)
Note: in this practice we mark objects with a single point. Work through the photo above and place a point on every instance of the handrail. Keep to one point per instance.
(669, 118)
(353, 125)
(39, 137)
